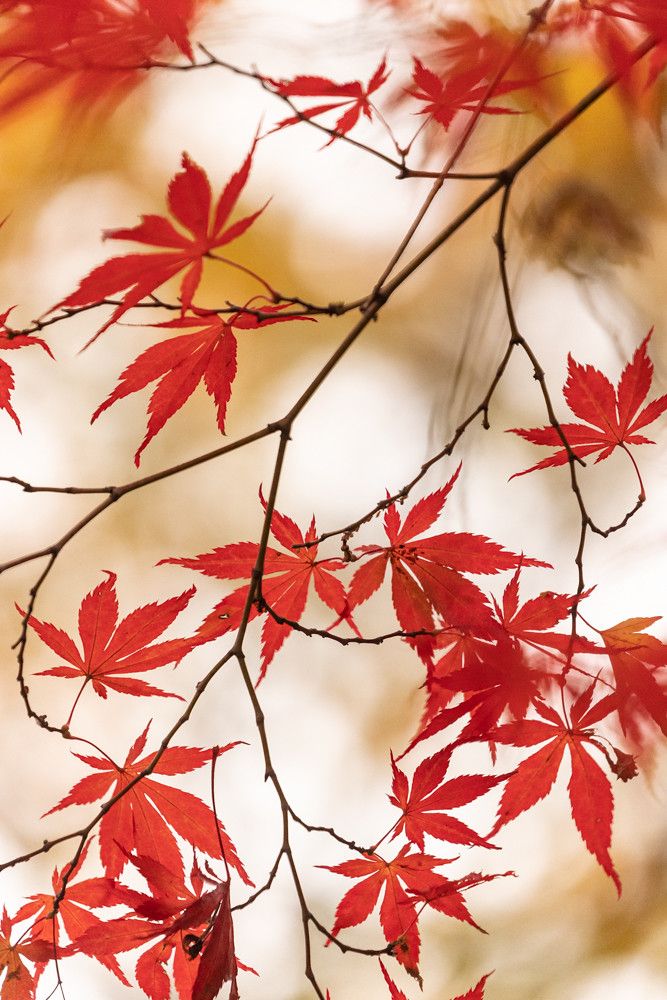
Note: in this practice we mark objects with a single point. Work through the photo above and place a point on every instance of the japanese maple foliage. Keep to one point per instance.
(427, 573)
(353, 99)
(610, 417)
(465, 91)
(192, 925)
(405, 882)
(20, 981)
(110, 649)
(206, 353)
(520, 675)
(93, 48)
(148, 815)
(190, 202)
(10, 341)
(287, 577)
(591, 797)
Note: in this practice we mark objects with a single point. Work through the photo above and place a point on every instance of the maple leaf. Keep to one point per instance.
(194, 931)
(533, 621)
(285, 583)
(92, 49)
(190, 202)
(10, 341)
(398, 914)
(477, 992)
(394, 991)
(354, 97)
(427, 573)
(146, 817)
(73, 911)
(612, 417)
(635, 656)
(19, 982)
(424, 803)
(461, 91)
(591, 798)
(178, 365)
(111, 649)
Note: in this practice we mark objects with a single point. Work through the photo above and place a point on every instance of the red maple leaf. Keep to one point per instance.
(612, 417)
(190, 202)
(496, 678)
(91, 48)
(146, 817)
(591, 798)
(73, 911)
(533, 621)
(285, 583)
(19, 982)
(477, 992)
(464, 90)
(193, 928)
(398, 913)
(178, 365)
(427, 573)
(646, 14)
(635, 656)
(354, 97)
(424, 803)
(394, 991)
(111, 649)
(11, 342)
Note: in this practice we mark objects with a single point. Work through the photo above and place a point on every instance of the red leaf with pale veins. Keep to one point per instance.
(423, 806)
(110, 650)
(145, 817)
(427, 573)
(138, 275)
(612, 417)
(205, 354)
(285, 583)
(590, 792)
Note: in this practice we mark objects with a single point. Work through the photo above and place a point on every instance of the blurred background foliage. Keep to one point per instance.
(586, 249)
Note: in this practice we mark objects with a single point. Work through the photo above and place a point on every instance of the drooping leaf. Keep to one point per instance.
(207, 352)
(591, 797)
(11, 342)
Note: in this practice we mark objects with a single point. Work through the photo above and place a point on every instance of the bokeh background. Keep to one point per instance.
(587, 242)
